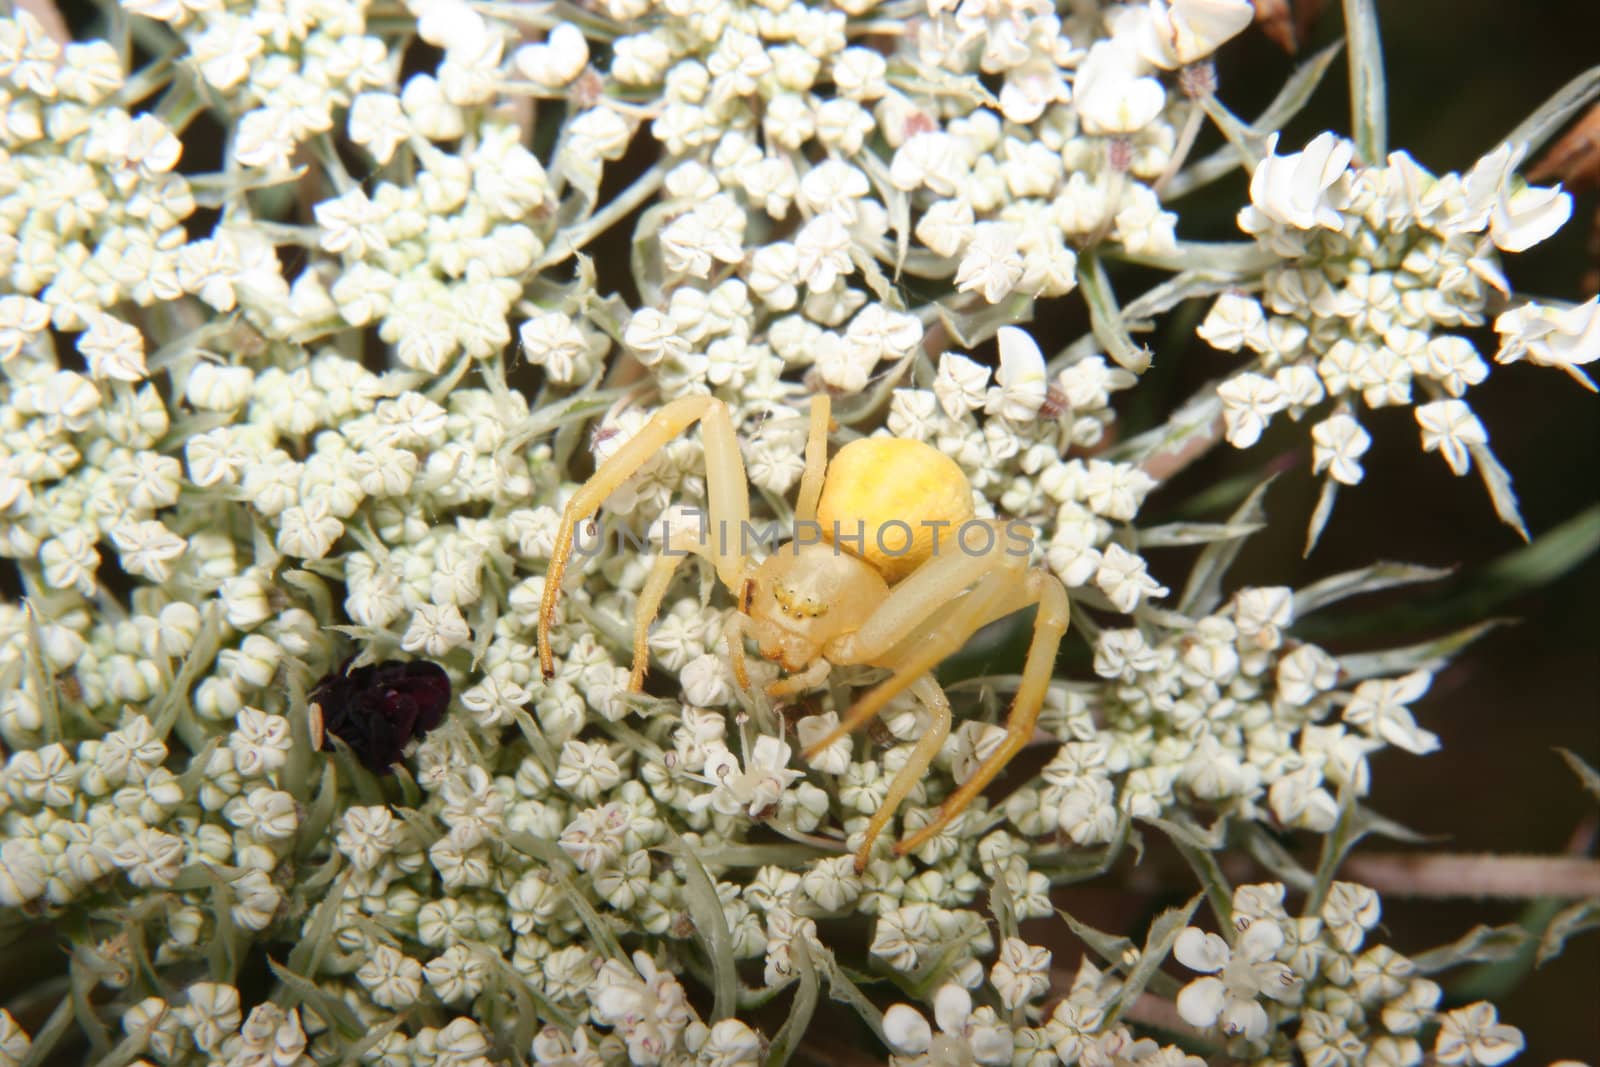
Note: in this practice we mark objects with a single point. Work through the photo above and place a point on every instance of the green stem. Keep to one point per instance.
(616, 209)
(1106, 318)
(1218, 893)
(1368, 104)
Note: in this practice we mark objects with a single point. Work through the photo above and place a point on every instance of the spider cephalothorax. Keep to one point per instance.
(888, 568)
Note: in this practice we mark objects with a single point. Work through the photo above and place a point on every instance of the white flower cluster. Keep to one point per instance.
(283, 439)
(283, 70)
(1225, 716)
(1349, 1001)
(1380, 262)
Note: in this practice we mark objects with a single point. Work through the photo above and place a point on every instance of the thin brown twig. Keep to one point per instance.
(1439, 875)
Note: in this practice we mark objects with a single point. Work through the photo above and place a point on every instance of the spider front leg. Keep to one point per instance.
(680, 540)
(925, 619)
(727, 497)
(928, 617)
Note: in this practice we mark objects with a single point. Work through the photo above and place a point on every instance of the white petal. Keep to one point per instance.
(952, 1007)
(1201, 1001)
(1261, 940)
(992, 1045)
(1244, 1017)
(906, 1029)
(1497, 1045)
(1200, 951)
(1528, 216)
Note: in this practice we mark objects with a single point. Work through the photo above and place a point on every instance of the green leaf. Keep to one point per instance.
(373, 1038)
(1157, 945)
(896, 200)
(1553, 114)
(1355, 822)
(599, 929)
(1196, 533)
(314, 587)
(130, 1047)
(550, 416)
(86, 970)
(843, 989)
(1190, 432)
(1498, 481)
(329, 1007)
(319, 816)
(1113, 948)
(40, 678)
(1371, 579)
(1203, 592)
(547, 852)
(1215, 259)
(1369, 107)
(1335, 846)
(711, 923)
(1185, 831)
(1243, 140)
(1552, 555)
(1068, 866)
(165, 714)
(1003, 907)
(1199, 847)
(1370, 823)
(1429, 655)
(1473, 596)
(741, 855)
(1481, 944)
(1186, 286)
(973, 322)
(306, 957)
(1320, 514)
(1586, 774)
(794, 1027)
(1568, 922)
(53, 1030)
(532, 1004)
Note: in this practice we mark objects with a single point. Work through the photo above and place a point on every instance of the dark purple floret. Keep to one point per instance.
(379, 709)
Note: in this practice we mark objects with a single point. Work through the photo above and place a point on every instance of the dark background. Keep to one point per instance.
(1460, 76)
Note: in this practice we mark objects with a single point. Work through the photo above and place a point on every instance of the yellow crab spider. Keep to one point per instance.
(897, 574)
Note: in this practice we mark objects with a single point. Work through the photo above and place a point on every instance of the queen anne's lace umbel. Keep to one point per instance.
(328, 400)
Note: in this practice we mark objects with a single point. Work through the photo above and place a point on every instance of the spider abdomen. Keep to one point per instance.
(891, 500)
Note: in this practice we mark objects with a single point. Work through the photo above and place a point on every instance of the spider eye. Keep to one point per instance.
(795, 603)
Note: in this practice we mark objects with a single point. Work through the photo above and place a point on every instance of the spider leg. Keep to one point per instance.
(809, 678)
(1046, 590)
(928, 745)
(678, 540)
(934, 644)
(727, 496)
(930, 614)
(805, 508)
(650, 597)
(735, 636)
